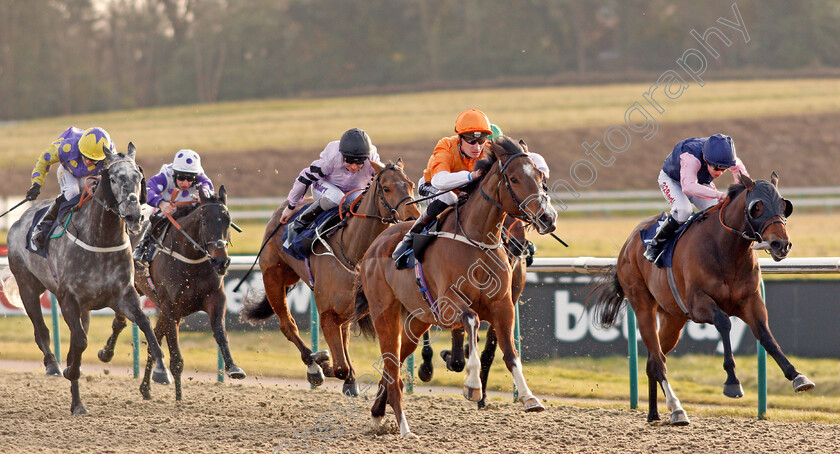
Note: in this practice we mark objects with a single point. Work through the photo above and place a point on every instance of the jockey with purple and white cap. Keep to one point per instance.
(179, 181)
(81, 153)
(343, 166)
(686, 179)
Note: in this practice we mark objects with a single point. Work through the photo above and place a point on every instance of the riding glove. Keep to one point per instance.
(33, 192)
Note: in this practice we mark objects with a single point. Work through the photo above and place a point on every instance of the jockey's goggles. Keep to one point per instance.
(472, 140)
(355, 160)
(185, 176)
(719, 168)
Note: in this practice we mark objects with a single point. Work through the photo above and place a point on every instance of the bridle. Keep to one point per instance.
(523, 216)
(205, 245)
(751, 233)
(380, 194)
(91, 181)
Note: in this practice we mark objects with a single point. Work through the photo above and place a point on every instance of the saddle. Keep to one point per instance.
(64, 214)
(665, 259)
(301, 246)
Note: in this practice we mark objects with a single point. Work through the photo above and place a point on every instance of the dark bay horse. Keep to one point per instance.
(467, 272)
(89, 267)
(716, 274)
(187, 278)
(515, 244)
(382, 203)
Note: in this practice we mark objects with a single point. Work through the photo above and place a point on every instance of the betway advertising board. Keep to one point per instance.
(804, 317)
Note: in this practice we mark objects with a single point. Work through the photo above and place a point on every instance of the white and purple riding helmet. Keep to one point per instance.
(187, 161)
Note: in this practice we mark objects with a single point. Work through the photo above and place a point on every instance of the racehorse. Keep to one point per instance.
(512, 185)
(515, 244)
(715, 274)
(89, 267)
(381, 204)
(187, 276)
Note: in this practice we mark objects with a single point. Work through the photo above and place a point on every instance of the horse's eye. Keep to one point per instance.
(386, 189)
(514, 180)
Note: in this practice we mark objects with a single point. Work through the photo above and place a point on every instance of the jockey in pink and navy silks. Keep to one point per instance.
(686, 179)
(343, 166)
(80, 153)
(179, 181)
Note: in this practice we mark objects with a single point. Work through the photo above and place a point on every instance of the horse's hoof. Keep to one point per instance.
(236, 373)
(162, 376)
(734, 390)
(802, 384)
(482, 403)
(316, 379)
(320, 357)
(376, 422)
(53, 370)
(80, 411)
(409, 436)
(349, 389)
(66, 374)
(679, 418)
(472, 394)
(105, 355)
(532, 405)
(425, 372)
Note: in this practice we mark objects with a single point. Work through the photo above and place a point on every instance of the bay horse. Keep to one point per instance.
(89, 267)
(716, 275)
(332, 267)
(470, 251)
(513, 237)
(184, 277)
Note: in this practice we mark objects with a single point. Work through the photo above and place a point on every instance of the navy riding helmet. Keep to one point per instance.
(719, 151)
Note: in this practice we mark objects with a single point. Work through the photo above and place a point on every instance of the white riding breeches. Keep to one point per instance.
(681, 203)
(70, 185)
(426, 189)
(329, 195)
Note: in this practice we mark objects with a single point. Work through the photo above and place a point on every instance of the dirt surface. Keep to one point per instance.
(802, 149)
(269, 418)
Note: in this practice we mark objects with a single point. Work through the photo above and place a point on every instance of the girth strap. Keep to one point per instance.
(673, 284)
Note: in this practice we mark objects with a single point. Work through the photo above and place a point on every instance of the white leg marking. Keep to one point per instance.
(474, 362)
(405, 432)
(671, 400)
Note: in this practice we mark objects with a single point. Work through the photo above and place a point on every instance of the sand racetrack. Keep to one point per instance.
(34, 410)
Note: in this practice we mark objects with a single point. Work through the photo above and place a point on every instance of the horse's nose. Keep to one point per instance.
(133, 198)
(131, 218)
(546, 221)
(782, 246)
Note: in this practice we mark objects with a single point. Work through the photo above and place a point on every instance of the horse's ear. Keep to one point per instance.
(223, 194)
(377, 167)
(131, 150)
(788, 207)
(400, 163)
(523, 145)
(747, 182)
(202, 195)
(774, 179)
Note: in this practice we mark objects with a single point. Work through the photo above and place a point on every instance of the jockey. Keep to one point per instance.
(686, 178)
(343, 166)
(184, 177)
(81, 154)
(451, 166)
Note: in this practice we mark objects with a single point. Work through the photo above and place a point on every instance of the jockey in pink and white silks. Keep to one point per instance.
(686, 179)
(343, 166)
(79, 153)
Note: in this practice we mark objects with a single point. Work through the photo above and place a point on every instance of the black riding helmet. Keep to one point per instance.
(355, 143)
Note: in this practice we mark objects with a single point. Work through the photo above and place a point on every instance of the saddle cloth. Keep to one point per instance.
(63, 210)
(665, 259)
(301, 246)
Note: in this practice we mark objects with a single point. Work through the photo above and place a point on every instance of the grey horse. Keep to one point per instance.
(89, 267)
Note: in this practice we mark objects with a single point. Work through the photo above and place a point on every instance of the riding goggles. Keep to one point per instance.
(185, 176)
(472, 140)
(354, 160)
(719, 168)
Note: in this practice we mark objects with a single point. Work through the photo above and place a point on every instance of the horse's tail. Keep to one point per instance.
(254, 309)
(362, 316)
(9, 288)
(606, 297)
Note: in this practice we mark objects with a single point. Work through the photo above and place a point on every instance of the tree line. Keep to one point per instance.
(61, 57)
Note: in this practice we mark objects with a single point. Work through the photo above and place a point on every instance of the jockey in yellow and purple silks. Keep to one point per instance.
(81, 153)
(686, 179)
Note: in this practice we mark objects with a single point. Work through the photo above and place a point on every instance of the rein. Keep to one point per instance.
(202, 249)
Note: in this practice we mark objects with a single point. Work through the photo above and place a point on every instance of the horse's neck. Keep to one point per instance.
(190, 224)
(100, 226)
(479, 219)
(360, 232)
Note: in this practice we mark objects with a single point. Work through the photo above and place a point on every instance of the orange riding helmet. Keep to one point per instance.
(472, 121)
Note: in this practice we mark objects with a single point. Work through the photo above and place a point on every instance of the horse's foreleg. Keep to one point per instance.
(78, 344)
(275, 283)
(31, 298)
(503, 323)
(487, 357)
(454, 358)
(160, 334)
(176, 361)
(130, 307)
(472, 384)
(106, 354)
(426, 370)
(732, 386)
(755, 316)
(217, 324)
(389, 327)
(349, 388)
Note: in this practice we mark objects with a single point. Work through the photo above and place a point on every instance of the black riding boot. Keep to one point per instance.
(39, 234)
(301, 222)
(432, 212)
(140, 259)
(666, 230)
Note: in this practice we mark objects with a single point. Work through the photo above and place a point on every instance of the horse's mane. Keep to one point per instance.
(501, 147)
(734, 190)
